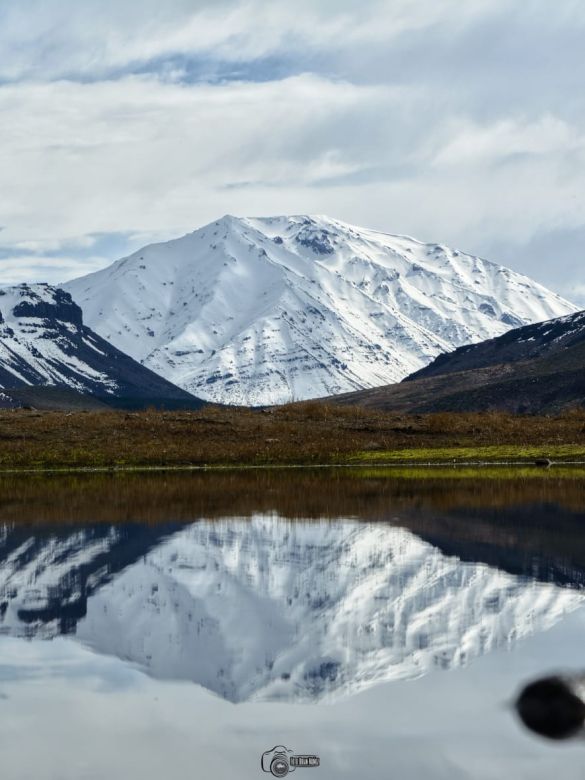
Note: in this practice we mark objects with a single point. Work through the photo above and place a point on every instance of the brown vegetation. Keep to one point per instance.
(295, 434)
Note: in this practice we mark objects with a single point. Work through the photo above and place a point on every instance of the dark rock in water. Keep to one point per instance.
(544, 462)
(552, 708)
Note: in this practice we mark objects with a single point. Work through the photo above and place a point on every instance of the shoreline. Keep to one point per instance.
(525, 465)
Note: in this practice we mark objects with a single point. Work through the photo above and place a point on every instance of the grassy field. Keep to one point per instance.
(299, 434)
(505, 453)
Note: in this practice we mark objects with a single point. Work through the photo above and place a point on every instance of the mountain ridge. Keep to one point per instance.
(531, 342)
(45, 346)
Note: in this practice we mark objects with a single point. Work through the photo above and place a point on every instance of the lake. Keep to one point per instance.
(184, 624)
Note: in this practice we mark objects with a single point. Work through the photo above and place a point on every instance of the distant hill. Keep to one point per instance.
(50, 359)
(534, 369)
(532, 342)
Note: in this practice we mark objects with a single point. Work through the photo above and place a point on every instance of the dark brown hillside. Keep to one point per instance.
(539, 369)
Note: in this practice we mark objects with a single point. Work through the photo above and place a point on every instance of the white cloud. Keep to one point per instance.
(456, 122)
(578, 291)
(67, 37)
(17, 268)
(138, 154)
(469, 142)
(146, 156)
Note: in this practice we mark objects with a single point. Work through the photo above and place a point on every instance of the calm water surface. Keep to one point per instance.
(181, 625)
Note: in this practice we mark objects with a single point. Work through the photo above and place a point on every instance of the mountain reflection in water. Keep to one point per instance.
(290, 587)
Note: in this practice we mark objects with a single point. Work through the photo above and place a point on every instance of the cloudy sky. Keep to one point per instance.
(456, 121)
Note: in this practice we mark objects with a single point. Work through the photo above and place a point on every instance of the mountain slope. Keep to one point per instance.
(259, 311)
(544, 340)
(44, 344)
(535, 369)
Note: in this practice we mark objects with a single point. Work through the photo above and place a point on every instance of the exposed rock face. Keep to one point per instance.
(58, 308)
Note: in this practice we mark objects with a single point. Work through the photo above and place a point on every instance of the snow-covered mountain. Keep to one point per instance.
(44, 343)
(267, 609)
(259, 311)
